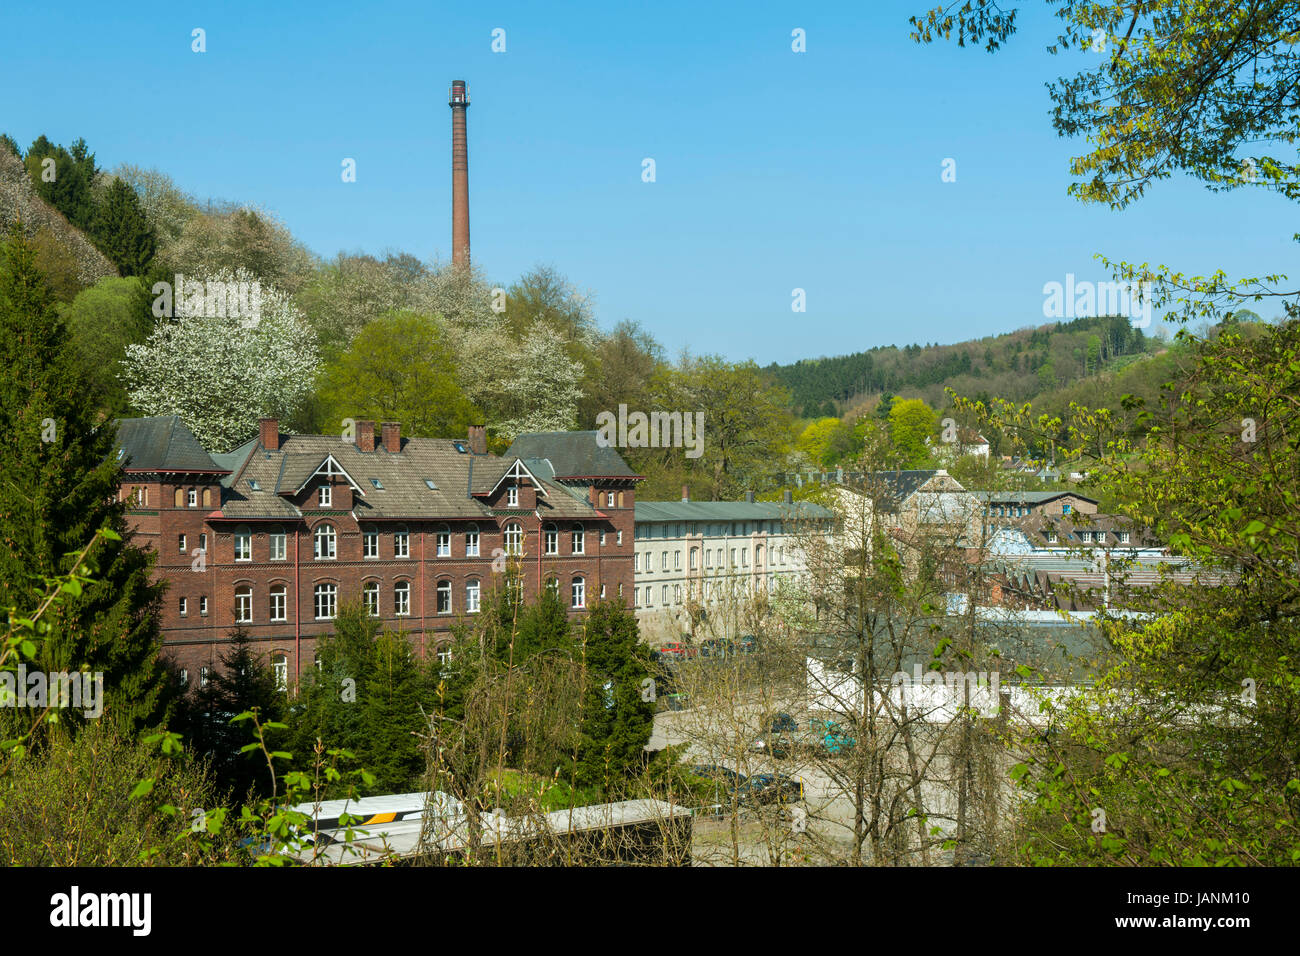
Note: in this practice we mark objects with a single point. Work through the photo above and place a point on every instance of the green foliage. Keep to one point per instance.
(69, 183)
(398, 368)
(102, 321)
(60, 488)
(121, 231)
(616, 721)
(911, 423)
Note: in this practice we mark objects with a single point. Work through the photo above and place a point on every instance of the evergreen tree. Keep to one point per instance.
(243, 682)
(390, 715)
(616, 721)
(121, 232)
(68, 184)
(61, 484)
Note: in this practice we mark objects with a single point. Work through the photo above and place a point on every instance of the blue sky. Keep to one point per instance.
(774, 170)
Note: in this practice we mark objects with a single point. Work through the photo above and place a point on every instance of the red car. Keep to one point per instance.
(677, 651)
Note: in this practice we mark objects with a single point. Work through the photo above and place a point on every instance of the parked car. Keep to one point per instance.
(716, 647)
(747, 644)
(763, 788)
(780, 738)
(832, 739)
(677, 651)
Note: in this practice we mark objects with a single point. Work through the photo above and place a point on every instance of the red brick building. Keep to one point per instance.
(279, 532)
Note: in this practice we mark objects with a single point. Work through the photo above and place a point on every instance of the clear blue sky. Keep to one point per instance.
(775, 170)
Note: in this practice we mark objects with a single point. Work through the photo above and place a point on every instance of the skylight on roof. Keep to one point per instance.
(252, 483)
(377, 483)
(460, 447)
(428, 483)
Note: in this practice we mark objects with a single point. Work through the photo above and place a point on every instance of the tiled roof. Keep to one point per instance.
(161, 443)
(727, 511)
(572, 454)
(1028, 497)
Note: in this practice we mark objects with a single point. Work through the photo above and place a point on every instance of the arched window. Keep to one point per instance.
(471, 541)
(279, 602)
(180, 497)
(277, 539)
(579, 539)
(280, 667)
(401, 542)
(443, 541)
(402, 598)
(244, 604)
(325, 541)
(514, 538)
(579, 590)
(552, 535)
(326, 600)
(472, 590)
(369, 541)
(758, 556)
(553, 586)
(620, 499)
(444, 597)
(370, 596)
(243, 543)
(207, 497)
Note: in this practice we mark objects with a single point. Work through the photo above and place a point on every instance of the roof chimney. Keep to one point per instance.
(478, 439)
(392, 436)
(365, 434)
(749, 497)
(270, 433)
(458, 100)
(686, 493)
(787, 497)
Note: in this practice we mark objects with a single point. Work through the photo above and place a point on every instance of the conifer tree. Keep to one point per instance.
(616, 721)
(242, 683)
(61, 484)
(121, 232)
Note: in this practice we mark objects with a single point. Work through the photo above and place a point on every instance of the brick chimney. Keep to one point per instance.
(270, 433)
(686, 493)
(478, 439)
(365, 434)
(458, 100)
(392, 437)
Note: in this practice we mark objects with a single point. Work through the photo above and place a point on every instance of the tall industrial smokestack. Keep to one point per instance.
(458, 100)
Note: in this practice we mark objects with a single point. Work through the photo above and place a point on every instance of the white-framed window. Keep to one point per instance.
(444, 656)
(514, 538)
(402, 598)
(185, 677)
(184, 606)
(1123, 537)
(553, 586)
(602, 592)
(663, 562)
(244, 604)
(370, 597)
(180, 541)
(325, 541)
(279, 547)
(551, 539)
(602, 538)
(579, 539)
(512, 497)
(205, 673)
(1051, 537)
(243, 543)
(579, 591)
(636, 597)
(442, 540)
(695, 558)
(444, 597)
(203, 541)
(1085, 537)
(744, 557)
(369, 542)
(203, 607)
(401, 543)
(664, 595)
(708, 557)
(649, 562)
(279, 602)
(636, 562)
(649, 597)
(326, 496)
(472, 591)
(192, 498)
(280, 668)
(618, 538)
(326, 601)
(677, 560)
(471, 541)
(677, 594)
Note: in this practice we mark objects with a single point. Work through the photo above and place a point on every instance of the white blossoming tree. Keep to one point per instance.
(221, 374)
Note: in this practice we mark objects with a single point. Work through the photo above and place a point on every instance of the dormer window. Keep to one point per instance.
(326, 496)
(512, 497)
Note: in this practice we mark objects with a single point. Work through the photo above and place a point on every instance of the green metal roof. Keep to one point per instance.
(728, 511)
